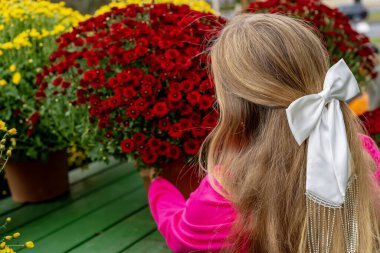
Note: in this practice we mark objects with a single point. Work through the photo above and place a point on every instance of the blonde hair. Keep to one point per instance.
(261, 63)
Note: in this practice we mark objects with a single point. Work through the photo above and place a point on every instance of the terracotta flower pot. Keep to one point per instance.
(36, 181)
(181, 174)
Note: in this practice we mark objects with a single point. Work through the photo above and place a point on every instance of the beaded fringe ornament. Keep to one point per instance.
(321, 221)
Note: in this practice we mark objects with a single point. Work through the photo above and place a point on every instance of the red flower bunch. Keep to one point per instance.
(141, 73)
(371, 121)
(340, 39)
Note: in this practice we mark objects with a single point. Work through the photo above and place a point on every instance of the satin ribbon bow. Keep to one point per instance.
(319, 118)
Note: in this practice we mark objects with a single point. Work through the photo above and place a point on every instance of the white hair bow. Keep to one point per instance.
(319, 118)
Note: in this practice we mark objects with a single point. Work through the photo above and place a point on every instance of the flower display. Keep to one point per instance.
(197, 5)
(335, 30)
(139, 75)
(28, 29)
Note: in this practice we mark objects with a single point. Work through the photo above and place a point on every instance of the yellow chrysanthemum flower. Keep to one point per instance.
(52, 18)
(16, 78)
(7, 250)
(12, 131)
(3, 82)
(197, 5)
(12, 68)
(16, 235)
(3, 128)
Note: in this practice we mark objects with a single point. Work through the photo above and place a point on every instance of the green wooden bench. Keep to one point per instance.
(106, 211)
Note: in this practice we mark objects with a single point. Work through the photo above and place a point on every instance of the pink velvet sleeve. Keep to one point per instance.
(201, 224)
(372, 149)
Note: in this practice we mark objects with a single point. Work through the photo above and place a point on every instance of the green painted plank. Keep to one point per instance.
(29, 213)
(78, 209)
(93, 169)
(91, 225)
(8, 205)
(122, 235)
(153, 243)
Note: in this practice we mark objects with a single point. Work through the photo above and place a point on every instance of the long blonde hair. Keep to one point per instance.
(260, 64)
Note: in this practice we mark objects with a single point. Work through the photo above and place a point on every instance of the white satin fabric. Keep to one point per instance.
(319, 118)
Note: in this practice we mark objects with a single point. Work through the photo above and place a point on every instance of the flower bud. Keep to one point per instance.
(9, 153)
(29, 245)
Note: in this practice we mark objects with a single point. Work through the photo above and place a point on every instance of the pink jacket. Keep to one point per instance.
(203, 222)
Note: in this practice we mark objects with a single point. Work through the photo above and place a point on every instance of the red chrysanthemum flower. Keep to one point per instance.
(205, 102)
(133, 112)
(160, 109)
(127, 146)
(89, 75)
(149, 158)
(175, 131)
(57, 81)
(193, 97)
(139, 138)
(191, 147)
(174, 152)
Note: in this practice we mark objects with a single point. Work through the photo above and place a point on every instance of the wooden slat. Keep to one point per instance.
(71, 236)
(121, 236)
(29, 213)
(54, 221)
(7, 205)
(153, 243)
(93, 169)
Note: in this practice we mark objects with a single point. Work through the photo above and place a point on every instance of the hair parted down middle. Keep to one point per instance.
(261, 63)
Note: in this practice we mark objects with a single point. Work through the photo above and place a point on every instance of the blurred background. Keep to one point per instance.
(364, 14)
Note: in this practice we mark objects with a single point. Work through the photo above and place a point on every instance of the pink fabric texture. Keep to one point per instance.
(372, 149)
(203, 222)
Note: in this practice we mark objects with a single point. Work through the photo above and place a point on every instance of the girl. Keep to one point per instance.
(286, 167)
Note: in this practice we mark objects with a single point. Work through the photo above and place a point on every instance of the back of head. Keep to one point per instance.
(261, 63)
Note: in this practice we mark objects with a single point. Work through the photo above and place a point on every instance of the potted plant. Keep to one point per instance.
(135, 83)
(28, 30)
(341, 40)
